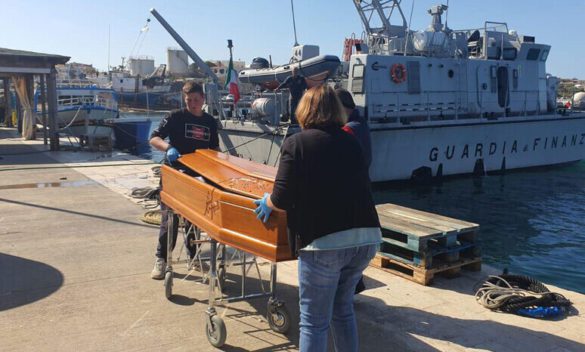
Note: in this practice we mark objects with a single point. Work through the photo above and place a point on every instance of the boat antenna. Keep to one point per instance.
(109, 42)
(446, 16)
(294, 24)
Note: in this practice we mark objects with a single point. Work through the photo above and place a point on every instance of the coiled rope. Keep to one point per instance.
(520, 295)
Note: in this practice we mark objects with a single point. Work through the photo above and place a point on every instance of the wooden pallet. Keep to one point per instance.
(421, 275)
(425, 239)
(433, 256)
(418, 230)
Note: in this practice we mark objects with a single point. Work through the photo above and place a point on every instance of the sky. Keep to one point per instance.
(102, 32)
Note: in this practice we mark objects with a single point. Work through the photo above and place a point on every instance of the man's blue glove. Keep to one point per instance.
(172, 154)
(263, 210)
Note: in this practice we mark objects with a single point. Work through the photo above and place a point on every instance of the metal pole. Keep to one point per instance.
(52, 104)
(294, 24)
(230, 46)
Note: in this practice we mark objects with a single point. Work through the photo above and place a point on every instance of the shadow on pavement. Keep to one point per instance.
(24, 281)
(21, 154)
(97, 217)
(397, 328)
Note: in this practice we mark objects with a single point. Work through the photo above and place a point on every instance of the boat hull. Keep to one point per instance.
(450, 148)
(132, 134)
(91, 131)
(67, 116)
(253, 140)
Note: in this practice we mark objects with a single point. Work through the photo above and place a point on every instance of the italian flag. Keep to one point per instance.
(232, 82)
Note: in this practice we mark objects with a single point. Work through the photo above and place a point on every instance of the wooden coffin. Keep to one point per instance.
(223, 205)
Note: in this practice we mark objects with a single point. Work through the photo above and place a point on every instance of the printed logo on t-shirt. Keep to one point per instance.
(198, 132)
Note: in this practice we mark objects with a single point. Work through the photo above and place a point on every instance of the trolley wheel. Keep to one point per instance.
(169, 284)
(221, 277)
(278, 317)
(216, 332)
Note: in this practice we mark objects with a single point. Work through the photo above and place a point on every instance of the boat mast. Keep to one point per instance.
(294, 23)
(109, 42)
(379, 35)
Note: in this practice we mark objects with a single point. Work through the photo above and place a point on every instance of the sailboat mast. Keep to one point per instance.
(109, 42)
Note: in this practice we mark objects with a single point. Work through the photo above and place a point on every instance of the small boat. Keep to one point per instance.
(83, 108)
(153, 92)
(314, 67)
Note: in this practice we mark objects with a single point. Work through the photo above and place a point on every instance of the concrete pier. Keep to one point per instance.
(75, 262)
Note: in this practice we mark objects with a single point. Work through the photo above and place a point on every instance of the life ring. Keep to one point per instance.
(398, 73)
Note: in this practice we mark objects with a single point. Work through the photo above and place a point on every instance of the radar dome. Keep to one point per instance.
(579, 101)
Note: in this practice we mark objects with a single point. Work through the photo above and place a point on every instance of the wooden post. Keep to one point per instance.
(7, 118)
(18, 109)
(44, 108)
(30, 93)
(8, 101)
(52, 105)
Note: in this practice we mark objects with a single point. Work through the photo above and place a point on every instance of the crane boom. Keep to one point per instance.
(200, 63)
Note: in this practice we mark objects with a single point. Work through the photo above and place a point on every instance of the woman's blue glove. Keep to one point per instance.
(172, 154)
(263, 210)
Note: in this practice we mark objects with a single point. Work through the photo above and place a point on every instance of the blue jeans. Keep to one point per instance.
(327, 280)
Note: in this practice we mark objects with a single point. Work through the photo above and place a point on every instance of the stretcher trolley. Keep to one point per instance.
(196, 244)
(221, 208)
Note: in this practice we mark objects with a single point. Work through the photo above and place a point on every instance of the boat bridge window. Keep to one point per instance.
(500, 27)
(357, 83)
(510, 54)
(533, 54)
(544, 55)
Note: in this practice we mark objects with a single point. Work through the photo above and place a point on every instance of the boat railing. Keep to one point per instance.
(270, 110)
(448, 105)
(75, 83)
(98, 100)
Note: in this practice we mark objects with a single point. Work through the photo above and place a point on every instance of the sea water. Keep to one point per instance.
(532, 222)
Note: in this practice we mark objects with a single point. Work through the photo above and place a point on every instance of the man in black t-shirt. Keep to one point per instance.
(296, 85)
(186, 130)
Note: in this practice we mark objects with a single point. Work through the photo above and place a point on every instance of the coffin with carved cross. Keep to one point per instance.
(221, 203)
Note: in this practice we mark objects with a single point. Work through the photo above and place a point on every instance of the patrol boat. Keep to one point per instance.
(443, 102)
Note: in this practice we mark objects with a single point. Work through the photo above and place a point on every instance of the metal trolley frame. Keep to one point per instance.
(277, 315)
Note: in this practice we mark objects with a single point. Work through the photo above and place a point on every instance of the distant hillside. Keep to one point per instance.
(568, 87)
